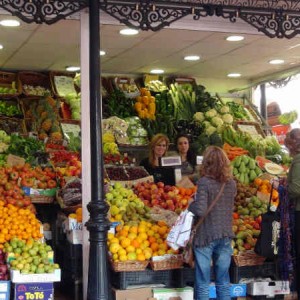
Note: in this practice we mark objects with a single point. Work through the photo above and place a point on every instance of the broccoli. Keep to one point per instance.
(215, 139)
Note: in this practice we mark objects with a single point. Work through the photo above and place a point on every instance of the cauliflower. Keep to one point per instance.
(210, 130)
(217, 121)
(227, 118)
(211, 113)
(199, 116)
(224, 109)
(206, 124)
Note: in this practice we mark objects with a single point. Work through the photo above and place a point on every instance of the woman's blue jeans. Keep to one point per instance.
(218, 251)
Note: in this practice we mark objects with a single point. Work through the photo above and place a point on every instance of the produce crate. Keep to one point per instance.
(11, 125)
(123, 280)
(166, 263)
(186, 276)
(6, 81)
(11, 102)
(267, 269)
(129, 266)
(34, 79)
(248, 258)
(65, 79)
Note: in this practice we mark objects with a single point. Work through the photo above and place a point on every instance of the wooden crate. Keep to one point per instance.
(6, 81)
(34, 79)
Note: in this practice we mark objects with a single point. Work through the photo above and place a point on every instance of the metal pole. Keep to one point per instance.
(263, 101)
(98, 224)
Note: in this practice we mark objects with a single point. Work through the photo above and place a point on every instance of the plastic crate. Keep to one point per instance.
(267, 269)
(123, 280)
(186, 276)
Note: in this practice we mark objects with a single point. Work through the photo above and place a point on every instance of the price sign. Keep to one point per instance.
(64, 85)
(67, 128)
(169, 161)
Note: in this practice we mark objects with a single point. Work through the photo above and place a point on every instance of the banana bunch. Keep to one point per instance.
(110, 148)
(156, 86)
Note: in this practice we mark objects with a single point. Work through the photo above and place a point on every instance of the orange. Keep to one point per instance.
(154, 246)
(135, 243)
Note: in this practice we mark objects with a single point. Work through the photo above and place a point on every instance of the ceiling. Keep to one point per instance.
(53, 47)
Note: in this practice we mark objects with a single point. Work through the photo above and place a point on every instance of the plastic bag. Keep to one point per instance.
(180, 232)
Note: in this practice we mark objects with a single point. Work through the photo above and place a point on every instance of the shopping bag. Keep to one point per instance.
(180, 232)
(188, 252)
(267, 241)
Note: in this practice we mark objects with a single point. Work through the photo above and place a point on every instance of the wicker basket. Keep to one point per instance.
(168, 263)
(42, 199)
(248, 258)
(129, 266)
(6, 80)
(34, 79)
(62, 74)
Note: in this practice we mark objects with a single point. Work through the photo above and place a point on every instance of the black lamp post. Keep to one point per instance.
(98, 224)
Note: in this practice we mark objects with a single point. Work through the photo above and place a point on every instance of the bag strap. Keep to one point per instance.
(201, 220)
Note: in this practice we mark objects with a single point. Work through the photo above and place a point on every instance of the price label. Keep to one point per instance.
(169, 161)
(64, 85)
(67, 128)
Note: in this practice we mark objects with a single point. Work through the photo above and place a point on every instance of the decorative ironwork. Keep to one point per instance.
(280, 83)
(42, 11)
(279, 19)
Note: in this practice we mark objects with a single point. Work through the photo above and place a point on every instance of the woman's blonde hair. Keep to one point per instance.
(216, 164)
(292, 141)
(156, 139)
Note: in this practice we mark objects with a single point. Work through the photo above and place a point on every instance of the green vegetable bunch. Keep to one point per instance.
(26, 147)
(288, 118)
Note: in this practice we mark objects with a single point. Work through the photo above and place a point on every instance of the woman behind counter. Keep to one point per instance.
(158, 148)
(188, 158)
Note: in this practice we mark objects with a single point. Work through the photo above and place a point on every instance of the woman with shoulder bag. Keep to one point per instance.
(212, 241)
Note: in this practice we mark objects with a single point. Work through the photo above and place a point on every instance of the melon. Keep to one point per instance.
(273, 168)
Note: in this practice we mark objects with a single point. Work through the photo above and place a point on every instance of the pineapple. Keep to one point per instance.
(47, 124)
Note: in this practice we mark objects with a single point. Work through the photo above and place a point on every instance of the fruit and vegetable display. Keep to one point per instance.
(139, 241)
(10, 109)
(125, 173)
(35, 90)
(30, 257)
(245, 169)
(145, 105)
(168, 197)
(4, 275)
(74, 104)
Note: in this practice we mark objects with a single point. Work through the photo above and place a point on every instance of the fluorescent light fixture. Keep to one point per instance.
(10, 23)
(1, 47)
(192, 57)
(129, 31)
(72, 69)
(157, 71)
(235, 38)
(102, 52)
(234, 75)
(276, 61)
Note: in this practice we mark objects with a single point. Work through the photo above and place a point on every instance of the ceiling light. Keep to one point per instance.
(10, 23)
(157, 71)
(192, 57)
(102, 52)
(1, 47)
(129, 31)
(235, 38)
(276, 61)
(72, 69)
(234, 75)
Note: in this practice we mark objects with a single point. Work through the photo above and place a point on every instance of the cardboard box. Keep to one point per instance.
(44, 192)
(42, 290)
(186, 293)
(268, 288)
(17, 277)
(133, 294)
(4, 290)
(236, 290)
(75, 237)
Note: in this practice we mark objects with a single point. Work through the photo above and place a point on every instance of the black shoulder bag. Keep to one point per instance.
(267, 241)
